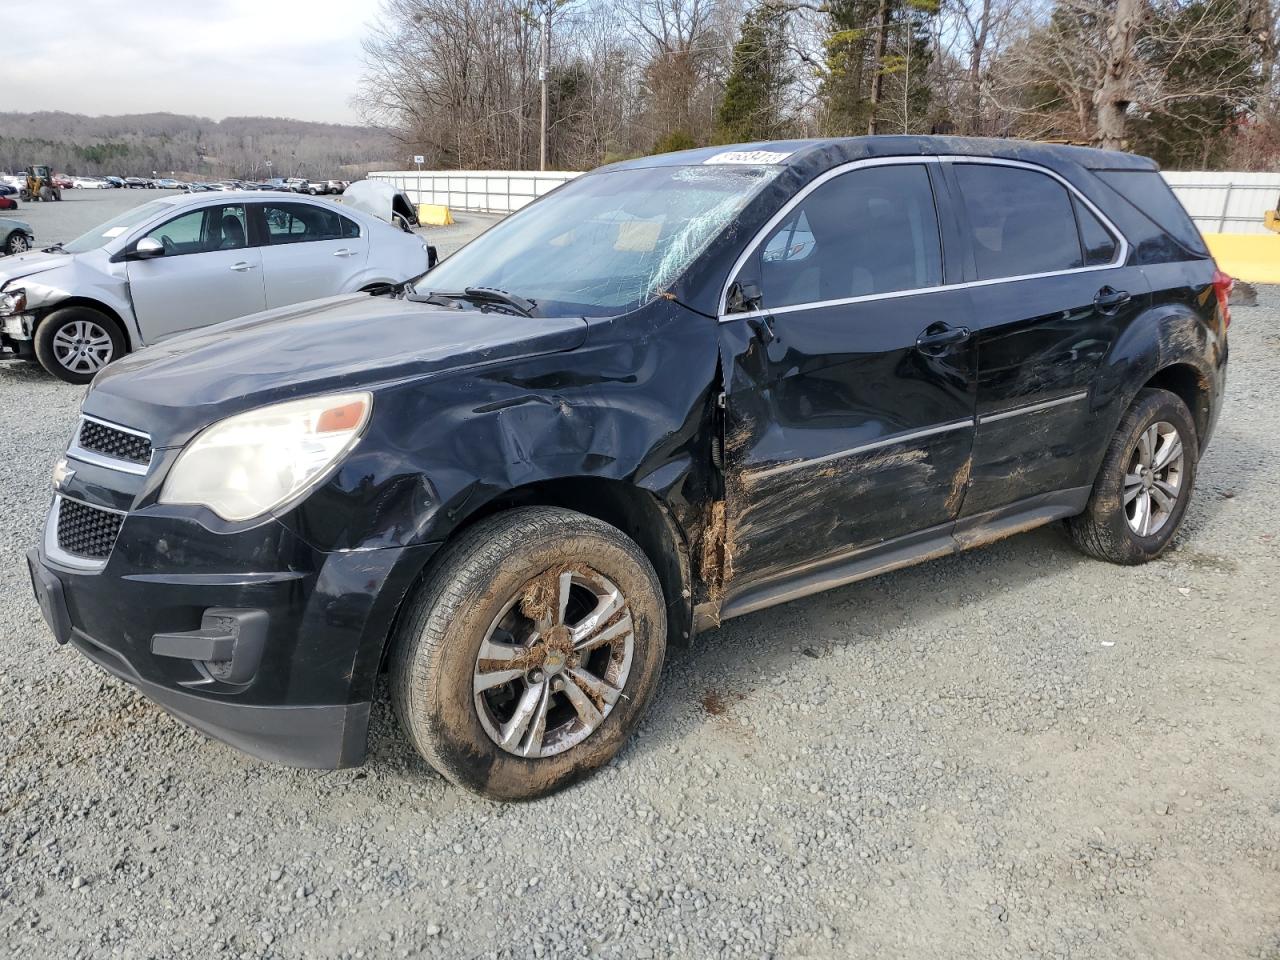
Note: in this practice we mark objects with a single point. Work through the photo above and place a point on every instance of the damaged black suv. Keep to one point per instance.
(674, 391)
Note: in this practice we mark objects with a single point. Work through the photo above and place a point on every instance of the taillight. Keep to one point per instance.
(1222, 285)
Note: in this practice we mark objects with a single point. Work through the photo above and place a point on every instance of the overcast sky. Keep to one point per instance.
(212, 58)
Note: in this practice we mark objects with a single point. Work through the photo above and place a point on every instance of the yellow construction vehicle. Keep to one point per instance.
(1271, 219)
(39, 184)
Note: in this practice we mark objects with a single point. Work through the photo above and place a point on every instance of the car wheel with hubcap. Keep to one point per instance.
(17, 243)
(74, 343)
(1144, 485)
(530, 653)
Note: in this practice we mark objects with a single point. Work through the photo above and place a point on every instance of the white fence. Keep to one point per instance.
(1226, 202)
(479, 191)
(1218, 202)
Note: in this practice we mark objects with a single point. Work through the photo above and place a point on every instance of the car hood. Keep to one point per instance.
(351, 342)
(25, 264)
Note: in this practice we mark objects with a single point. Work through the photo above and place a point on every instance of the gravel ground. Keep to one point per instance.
(1014, 753)
(82, 210)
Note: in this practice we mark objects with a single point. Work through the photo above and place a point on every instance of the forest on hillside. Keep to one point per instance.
(169, 143)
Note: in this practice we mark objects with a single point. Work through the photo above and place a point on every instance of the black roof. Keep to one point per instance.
(832, 152)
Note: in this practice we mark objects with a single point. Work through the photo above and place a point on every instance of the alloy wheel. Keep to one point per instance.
(554, 662)
(83, 346)
(18, 244)
(1153, 481)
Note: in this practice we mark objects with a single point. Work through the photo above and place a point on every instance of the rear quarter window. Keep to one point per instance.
(1148, 193)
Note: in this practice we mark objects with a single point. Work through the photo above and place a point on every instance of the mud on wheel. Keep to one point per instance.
(531, 652)
(1141, 493)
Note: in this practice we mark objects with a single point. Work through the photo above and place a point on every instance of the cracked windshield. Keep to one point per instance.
(604, 243)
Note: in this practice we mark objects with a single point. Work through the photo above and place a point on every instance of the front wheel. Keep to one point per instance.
(17, 243)
(1144, 485)
(528, 657)
(74, 343)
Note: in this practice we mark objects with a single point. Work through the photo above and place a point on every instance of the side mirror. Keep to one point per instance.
(433, 256)
(744, 297)
(148, 248)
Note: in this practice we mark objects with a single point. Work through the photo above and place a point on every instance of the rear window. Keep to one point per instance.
(1021, 221)
(1148, 193)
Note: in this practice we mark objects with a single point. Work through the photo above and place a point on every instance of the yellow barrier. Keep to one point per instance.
(434, 215)
(1251, 257)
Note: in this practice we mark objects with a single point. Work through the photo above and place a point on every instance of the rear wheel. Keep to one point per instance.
(17, 243)
(1142, 490)
(74, 343)
(529, 656)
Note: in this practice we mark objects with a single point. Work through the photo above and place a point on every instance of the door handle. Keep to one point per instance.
(939, 338)
(344, 252)
(1109, 300)
(242, 266)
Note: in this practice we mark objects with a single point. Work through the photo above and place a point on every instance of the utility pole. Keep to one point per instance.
(544, 65)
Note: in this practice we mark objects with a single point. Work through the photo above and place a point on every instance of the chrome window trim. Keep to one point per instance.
(920, 434)
(864, 448)
(1032, 408)
(55, 552)
(1122, 252)
(77, 452)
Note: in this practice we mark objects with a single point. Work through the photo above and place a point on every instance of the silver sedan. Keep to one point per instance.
(187, 261)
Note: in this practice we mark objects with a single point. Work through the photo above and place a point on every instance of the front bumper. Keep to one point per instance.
(306, 700)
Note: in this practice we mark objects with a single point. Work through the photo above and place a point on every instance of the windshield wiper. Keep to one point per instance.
(494, 295)
(54, 248)
(435, 299)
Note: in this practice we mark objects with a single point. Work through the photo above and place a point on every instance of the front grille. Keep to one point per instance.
(87, 531)
(110, 442)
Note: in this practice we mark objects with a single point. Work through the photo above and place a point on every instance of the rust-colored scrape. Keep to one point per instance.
(713, 704)
(958, 485)
(716, 562)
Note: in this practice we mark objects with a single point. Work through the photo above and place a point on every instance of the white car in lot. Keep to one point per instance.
(187, 261)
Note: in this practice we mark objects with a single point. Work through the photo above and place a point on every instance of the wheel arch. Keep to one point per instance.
(91, 304)
(1192, 387)
(633, 510)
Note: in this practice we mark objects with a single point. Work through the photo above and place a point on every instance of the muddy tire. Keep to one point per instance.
(74, 343)
(1144, 485)
(569, 616)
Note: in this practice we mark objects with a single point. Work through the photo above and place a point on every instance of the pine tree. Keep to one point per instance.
(754, 104)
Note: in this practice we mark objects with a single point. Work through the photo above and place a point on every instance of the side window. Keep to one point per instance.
(1021, 221)
(304, 222)
(203, 230)
(1099, 245)
(865, 232)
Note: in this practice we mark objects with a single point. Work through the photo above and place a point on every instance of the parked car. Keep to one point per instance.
(296, 184)
(7, 202)
(336, 186)
(8, 191)
(137, 183)
(633, 409)
(62, 181)
(186, 261)
(168, 183)
(117, 182)
(91, 183)
(16, 236)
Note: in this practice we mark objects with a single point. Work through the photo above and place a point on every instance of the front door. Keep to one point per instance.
(209, 273)
(1053, 294)
(849, 378)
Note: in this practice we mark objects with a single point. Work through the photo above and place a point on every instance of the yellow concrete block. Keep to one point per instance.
(1255, 258)
(434, 215)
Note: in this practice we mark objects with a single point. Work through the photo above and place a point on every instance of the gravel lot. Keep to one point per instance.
(1014, 753)
(82, 210)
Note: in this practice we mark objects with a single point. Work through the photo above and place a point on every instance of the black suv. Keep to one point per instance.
(674, 391)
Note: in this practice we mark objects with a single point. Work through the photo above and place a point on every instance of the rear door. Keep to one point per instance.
(1052, 290)
(850, 386)
(208, 273)
(310, 250)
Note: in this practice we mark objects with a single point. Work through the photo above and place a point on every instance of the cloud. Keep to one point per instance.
(216, 58)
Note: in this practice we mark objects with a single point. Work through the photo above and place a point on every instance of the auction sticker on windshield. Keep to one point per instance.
(748, 156)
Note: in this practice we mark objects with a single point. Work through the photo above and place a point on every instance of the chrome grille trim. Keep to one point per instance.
(77, 452)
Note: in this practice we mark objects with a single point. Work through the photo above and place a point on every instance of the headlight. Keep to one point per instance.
(12, 301)
(245, 465)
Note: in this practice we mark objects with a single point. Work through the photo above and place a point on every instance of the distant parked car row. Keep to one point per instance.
(284, 184)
